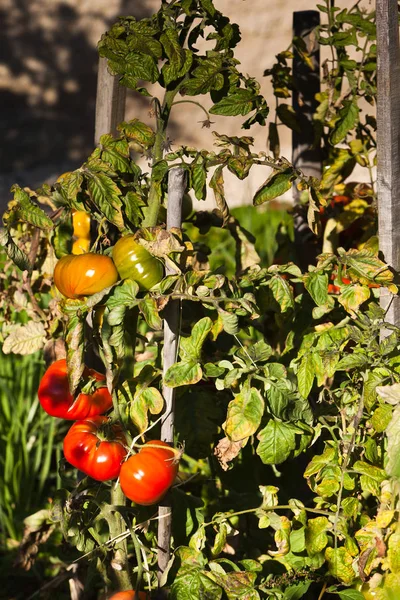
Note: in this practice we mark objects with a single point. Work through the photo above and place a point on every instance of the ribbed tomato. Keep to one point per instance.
(57, 401)
(146, 476)
(130, 595)
(84, 274)
(96, 447)
(133, 261)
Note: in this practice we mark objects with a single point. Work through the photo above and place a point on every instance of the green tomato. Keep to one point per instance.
(133, 261)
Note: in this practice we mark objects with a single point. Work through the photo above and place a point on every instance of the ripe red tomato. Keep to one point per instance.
(96, 447)
(130, 595)
(133, 261)
(84, 274)
(57, 401)
(146, 476)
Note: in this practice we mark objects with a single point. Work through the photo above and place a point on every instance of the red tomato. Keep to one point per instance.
(84, 274)
(146, 476)
(130, 595)
(96, 447)
(57, 401)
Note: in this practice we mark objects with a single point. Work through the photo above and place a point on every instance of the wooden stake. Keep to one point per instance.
(110, 102)
(304, 155)
(176, 189)
(388, 142)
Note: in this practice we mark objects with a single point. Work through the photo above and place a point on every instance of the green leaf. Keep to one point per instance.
(239, 584)
(282, 292)
(230, 321)
(146, 399)
(277, 184)
(194, 585)
(353, 296)
(138, 131)
(148, 308)
(287, 115)
(277, 442)
(140, 66)
(374, 473)
(350, 595)
(352, 361)
(199, 177)
(320, 460)
(393, 444)
(186, 372)
(191, 346)
(297, 591)
(28, 211)
(348, 119)
(15, 253)
(316, 283)
(241, 102)
(315, 534)
(244, 414)
(104, 193)
(340, 564)
(381, 417)
(306, 374)
(206, 77)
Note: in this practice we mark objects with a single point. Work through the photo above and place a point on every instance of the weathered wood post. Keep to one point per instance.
(388, 144)
(110, 102)
(304, 155)
(110, 110)
(176, 189)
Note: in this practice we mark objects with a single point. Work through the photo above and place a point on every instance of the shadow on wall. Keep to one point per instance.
(48, 70)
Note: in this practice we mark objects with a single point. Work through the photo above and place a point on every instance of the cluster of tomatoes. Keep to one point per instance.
(96, 444)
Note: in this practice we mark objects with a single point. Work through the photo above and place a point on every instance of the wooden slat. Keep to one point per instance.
(388, 139)
(304, 155)
(307, 85)
(176, 189)
(110, 102)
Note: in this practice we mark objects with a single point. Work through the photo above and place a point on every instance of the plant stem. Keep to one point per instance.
(117, 527)
(266, 509)
(138, 555)
(192, 102)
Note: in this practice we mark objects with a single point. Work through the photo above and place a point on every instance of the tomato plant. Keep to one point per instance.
(56, 399)
(84, 275)
(283, 380)
(146, 476)
(134, 261)
(96, 447)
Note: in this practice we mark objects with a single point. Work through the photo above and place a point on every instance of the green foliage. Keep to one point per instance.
(287, 391)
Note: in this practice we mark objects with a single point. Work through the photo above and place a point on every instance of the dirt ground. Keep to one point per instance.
(48, 69)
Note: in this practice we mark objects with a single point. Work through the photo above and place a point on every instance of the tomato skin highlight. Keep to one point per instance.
(56, 399)
(85, 450)
(84, 274)
(81, 224)
(130, 595)
(133, 261)
(146, 476)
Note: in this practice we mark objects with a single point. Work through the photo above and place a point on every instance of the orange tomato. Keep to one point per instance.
(84, 275)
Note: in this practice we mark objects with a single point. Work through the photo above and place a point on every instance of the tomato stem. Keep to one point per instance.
(117, 528)
(138, 560)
